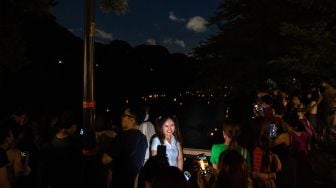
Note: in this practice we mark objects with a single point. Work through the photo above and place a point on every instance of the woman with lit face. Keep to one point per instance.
(168, 134)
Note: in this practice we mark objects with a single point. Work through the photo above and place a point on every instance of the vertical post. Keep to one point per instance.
(89, 104)
(89, 77)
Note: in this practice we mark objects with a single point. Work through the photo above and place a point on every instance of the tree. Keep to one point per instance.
(259, 39)
(14, 44)
(313, 42)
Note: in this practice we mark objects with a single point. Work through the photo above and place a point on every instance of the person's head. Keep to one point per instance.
(232, 170)
(266, 101)
(231, 132)
(151, 168)
(279, 105)
(295, 100)
(67, 122)
(21, 115)
(132, 116)
(300, 110)
(169, 177)
(167, 126)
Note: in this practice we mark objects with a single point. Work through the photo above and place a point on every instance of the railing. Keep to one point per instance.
(194, 151)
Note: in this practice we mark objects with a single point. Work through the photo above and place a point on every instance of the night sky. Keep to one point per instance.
(178, 25)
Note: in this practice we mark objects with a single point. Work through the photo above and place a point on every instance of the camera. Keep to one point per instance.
(203, 164)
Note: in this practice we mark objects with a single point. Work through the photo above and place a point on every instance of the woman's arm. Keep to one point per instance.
(263, 176)
(180, 157)
(153, 152)
(14, 156)
(215, 166)
(154, 146)
(282, 138)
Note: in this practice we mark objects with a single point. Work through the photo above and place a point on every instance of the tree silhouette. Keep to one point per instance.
(268, 39)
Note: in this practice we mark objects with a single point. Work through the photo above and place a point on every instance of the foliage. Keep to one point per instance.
(312, 50)
(261, 39)
(118, 6)
(13, 46)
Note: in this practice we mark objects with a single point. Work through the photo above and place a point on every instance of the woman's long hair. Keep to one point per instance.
(232, 170)
(263, 141)
(232, 130)
(159, 122)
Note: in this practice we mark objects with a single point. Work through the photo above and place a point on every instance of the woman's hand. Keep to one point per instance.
(203, 181)
(106, 159)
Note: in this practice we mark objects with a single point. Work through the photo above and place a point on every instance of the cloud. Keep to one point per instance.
(180, 43)
(168, 41)
(151, 41)
(76, 31)
(197, 24)
(71, 30)
(174, 18)
(103, 36)
(175, 42)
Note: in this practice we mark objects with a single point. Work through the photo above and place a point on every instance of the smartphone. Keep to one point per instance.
(259, 108)
(203, 164)
(187, 175)
(272, 130)
(161, 151)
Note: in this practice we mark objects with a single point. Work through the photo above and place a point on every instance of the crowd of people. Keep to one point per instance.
(147, 151)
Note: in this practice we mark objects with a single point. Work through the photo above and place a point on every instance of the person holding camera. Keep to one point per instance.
(168, 134)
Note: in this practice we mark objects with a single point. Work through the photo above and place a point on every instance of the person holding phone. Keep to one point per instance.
(232, 172)
(168, 134)
(265, 164)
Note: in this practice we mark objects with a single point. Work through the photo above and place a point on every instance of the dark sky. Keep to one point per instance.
(179, 25)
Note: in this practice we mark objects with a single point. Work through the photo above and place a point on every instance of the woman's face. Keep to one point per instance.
(296, 100)
(168, 128)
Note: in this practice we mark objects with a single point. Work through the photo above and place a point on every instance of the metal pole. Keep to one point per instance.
(89, 104)
(89, 77)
